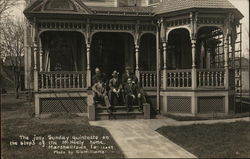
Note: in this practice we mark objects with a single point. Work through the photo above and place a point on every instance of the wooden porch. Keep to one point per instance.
(180, 92)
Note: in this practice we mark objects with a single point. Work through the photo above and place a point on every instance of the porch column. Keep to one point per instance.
(194, 71)
(35, 48)
(137, 73)
(88, 65)
(40, 55)
(164, 44)
(226, 79)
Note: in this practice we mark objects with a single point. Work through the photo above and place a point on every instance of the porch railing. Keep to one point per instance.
(179, 78)
(148, 79)
(213, 78)
(61, 80)
(205, 79)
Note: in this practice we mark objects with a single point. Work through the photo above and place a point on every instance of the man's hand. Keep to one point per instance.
(139, 95)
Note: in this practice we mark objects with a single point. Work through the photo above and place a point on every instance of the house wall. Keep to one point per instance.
(245, 81)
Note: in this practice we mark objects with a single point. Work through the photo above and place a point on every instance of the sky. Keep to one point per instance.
(241, 5)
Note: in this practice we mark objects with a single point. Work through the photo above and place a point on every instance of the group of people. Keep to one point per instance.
(115, 92)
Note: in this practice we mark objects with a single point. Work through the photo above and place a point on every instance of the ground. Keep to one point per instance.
(18, 124)
(221, 140)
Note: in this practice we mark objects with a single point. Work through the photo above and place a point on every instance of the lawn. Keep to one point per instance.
(16, 120)
(194, 118)
(222, 140)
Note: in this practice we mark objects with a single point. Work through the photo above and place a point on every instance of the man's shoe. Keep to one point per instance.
(109, 110)
(128, 109)
(140, 109)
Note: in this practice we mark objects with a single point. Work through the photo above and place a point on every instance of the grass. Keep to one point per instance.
(222, 140)
(16, 120)
(192, 118)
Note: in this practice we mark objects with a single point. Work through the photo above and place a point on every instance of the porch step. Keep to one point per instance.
(120, 113)
(117, 107)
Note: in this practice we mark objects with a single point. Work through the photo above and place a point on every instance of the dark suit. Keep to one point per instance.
(115, 95)
(130, 91)
(125, 77)
(98, 76)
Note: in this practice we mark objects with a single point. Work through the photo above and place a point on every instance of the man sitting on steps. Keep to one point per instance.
(115, 89)
(100, 94)
(130, 90)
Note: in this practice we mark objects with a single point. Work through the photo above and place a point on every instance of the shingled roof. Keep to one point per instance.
(123, 10)
(164, 7)
(168, 6)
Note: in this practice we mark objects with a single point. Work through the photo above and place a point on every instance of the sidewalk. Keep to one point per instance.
(138, 138)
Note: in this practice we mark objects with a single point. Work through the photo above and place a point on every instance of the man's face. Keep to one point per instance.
(97, 70)
(129, 81)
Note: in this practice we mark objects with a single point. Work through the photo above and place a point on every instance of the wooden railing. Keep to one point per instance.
(210, 78)
(61, 80)
(148, 79)
(179, 78)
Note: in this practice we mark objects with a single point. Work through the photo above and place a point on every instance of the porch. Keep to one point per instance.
(182, 92)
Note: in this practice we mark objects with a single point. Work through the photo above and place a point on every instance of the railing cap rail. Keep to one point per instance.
(183, 70)
(62, 72)
(211, 70)
(148, 72)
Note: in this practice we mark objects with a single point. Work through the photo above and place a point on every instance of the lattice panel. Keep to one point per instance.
(179, 104)
(211, 104)
(69, 105)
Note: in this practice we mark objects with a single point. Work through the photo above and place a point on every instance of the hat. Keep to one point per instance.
(115, 73)
(128, 68)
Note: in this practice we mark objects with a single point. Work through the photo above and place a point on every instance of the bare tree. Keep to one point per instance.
(6, 5)
(12, 45)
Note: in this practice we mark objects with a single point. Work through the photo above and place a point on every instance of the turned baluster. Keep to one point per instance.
(78, 80)
(83, 83)
(179, 79)
(174, 76)
(212, 78)
(47, 81)
(64, 80)
(150, 80)
(216, 77)
(221, 76)
(56, 81)
(183, 79)
(42, 81)
(146, 80)
(204, 78)
(74, 81)
(208, 79)
(199, 78)
(51, 78)
(142, 80)
(189, 79)
(169, 75)
(60, 78)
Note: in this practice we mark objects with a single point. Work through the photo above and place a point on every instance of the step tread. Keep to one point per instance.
(122, 113)
(117, 107)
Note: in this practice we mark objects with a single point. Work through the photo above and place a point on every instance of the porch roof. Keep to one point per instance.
(168, 6)
(165, 7)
